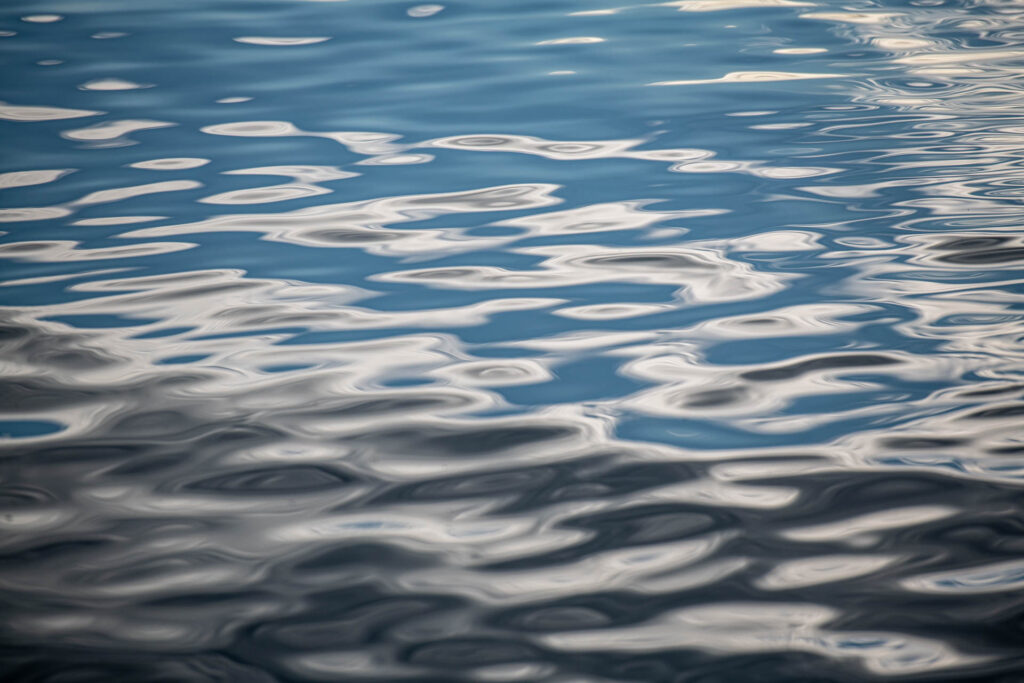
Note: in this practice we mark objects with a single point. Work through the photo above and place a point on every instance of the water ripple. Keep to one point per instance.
(340, 341)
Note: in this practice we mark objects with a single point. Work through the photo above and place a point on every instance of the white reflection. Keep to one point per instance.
(29, 113)
(496, 373)
(265, 195)
(122, 193)
(32, 213)
(799, 50)
(719, 494)
(854, 17)
(113, 131)
(993, 578)
(600, 571)
(360, 224)
(813, 571)
(279, 41)
(171, 164)
(722, 5)
(61, 251)
(113, 84)
(753, 77)
(117, 220)
(357, 142)
(578, 40)
(301, 174)
(26, 178)
(420, 11)
(869, 523)
(700, 274)
(612, 311)
(768, 627)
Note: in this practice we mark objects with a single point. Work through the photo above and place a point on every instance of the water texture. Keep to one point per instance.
(560, 341)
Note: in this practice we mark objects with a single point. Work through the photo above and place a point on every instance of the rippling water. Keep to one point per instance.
(552, 341)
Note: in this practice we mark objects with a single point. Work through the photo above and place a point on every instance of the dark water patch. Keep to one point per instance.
(464, 653)
(466, 442)
(28, 395)
(367, 556)
(922, 442)
(1011, 410)
(817, 364)
(284, 480)
(154, 423)
(642, 260)
(165, 332)
(401, 405)
(14, 495)
(980, 250)
(714, 398)
(225, 600)
(647, 524)
(59, 551)
(92, 455)
(524, 482)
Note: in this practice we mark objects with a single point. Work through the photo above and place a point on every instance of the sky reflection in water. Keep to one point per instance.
(346, 340)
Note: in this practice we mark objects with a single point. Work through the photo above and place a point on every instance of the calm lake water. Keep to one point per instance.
(508, 340)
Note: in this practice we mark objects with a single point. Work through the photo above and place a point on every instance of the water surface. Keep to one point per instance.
(552, 341)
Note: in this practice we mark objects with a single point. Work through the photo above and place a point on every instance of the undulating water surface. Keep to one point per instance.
(506, 340)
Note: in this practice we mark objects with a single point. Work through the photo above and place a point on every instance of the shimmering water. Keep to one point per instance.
(554, 341)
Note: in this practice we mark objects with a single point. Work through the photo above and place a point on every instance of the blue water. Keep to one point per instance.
(551, 341)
